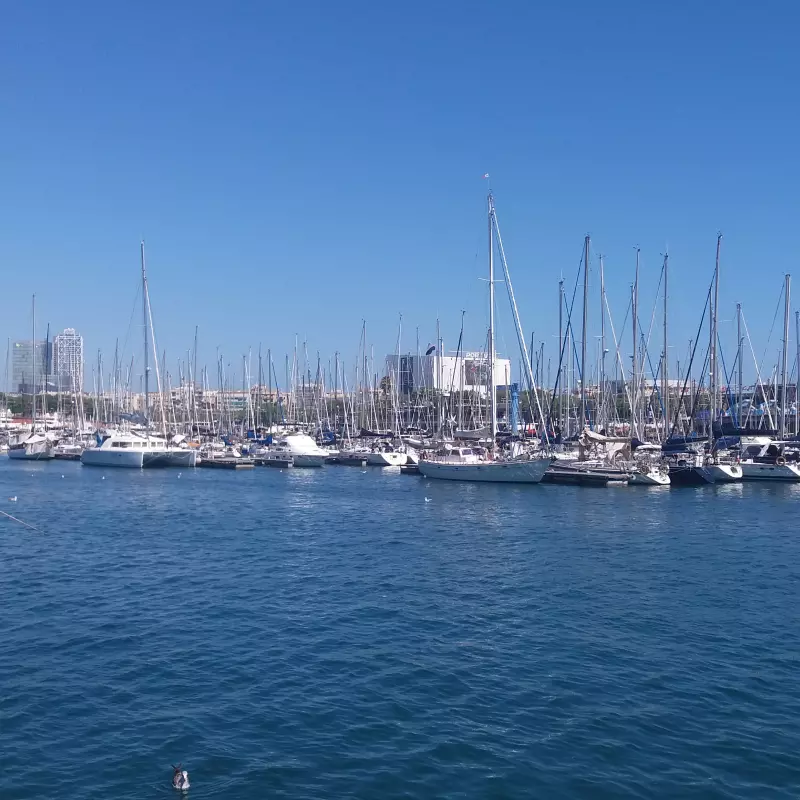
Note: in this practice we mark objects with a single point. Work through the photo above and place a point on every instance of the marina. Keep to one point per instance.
(449, 416)
(400, 402)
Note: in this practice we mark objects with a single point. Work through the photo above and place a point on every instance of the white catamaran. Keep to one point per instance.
(133, 449)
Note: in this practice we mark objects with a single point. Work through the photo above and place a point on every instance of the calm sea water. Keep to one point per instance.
(330, 634)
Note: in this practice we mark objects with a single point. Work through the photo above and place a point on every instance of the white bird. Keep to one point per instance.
(180, 778)
(363, 472)
(104, 477)
(12, 499)
(427, 499)
(62, 476)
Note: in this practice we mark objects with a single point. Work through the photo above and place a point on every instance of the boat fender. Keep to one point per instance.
(780, 461)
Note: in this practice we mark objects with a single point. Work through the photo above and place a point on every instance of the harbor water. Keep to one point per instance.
(349, 633)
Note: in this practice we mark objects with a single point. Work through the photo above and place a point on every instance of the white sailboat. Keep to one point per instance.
(471, 464)
(134, 450)
(35, 446)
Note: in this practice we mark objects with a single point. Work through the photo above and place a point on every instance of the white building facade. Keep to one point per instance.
(68, 359)
(466, 372)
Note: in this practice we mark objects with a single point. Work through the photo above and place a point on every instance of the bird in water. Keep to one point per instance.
(12, 499)
(427, 499)
(180, 778)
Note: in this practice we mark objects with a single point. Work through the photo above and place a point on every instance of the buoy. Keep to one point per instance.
(180, 778)
(104, 477)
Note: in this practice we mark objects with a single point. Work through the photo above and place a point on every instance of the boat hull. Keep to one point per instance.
(387, 459)
(572, 475)
(352, 459)
(308, 460)
(96, 457)
(38, 451)
(138, 459)
(490, 472)
(650, 478)
(757, 471)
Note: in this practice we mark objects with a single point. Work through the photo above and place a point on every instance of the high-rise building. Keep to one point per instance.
(68, 359)
(30, 363)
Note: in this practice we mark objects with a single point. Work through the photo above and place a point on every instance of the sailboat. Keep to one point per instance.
(775, 459)
(133, 449)
(35, 446)
(477, 464)
(697, 468)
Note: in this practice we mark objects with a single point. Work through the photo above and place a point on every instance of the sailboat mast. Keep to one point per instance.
(635, 360)
(665, 365)
(602, 390)
(492, 397)
(797, 373)
(739, 362)
(712, 350)
(561, 352)
(144, 324)
(784, 354)
(33, 364)
(585, 326)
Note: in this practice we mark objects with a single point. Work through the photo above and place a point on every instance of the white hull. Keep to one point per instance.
(137, 459)
(488, 472)
(724, 473)
(757, 471)
(387, 459)
(96, 457)
(651, 478)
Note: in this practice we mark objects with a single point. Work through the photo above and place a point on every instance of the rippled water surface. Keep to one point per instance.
(329, 633)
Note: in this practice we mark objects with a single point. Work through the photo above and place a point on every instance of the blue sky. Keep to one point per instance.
(297, 167)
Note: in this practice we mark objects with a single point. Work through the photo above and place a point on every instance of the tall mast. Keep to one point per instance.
(258, 391)
(561, 351)
(585, 325)
(665, 365)
(33, 360)
(784, 354)
(438, 379)
(739, 362)
(635, 360)
(797, 374)
(144, 323)
(269, 387)
(46, 375)
(712, 350)
(492, 397)
(336, 392)
(602, 381)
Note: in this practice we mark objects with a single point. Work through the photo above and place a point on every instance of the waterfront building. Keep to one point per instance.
(29, 357)
(466, 372)
(68, 359)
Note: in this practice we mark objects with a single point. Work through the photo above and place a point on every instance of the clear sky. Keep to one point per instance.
(297, 167)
